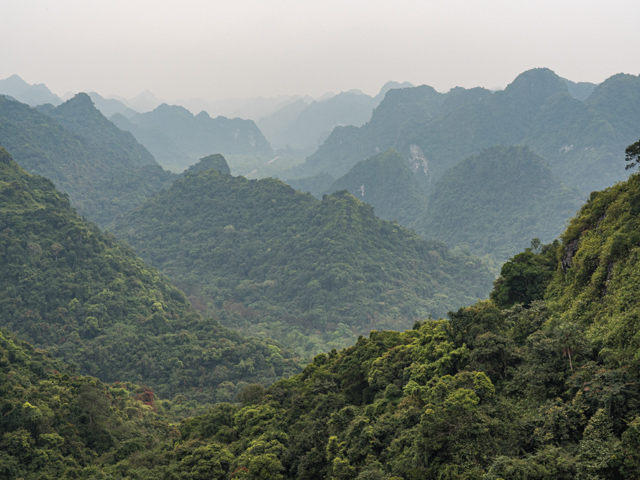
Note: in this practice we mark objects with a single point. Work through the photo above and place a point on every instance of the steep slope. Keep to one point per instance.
(67, 286)
(56, 424)
(178, 139)
(598, 284)
(401, 111)
(387, 183)
(496, 202)
(80, 116)
(329, 268)
(305, 125)
(549, 390)
(536, 109)
(104, 170)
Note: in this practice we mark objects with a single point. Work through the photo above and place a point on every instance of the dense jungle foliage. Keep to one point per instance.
(67, 286)
(103, 169)
(55, 424)
(541, 381)
(387, 183)
(312, 273)
(580, 137)
(497, 201)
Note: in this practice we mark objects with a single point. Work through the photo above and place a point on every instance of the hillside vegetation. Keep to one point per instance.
(497, 201)
(103, 169)
(387, 183)
(67, 286)
(313, 273)
(540, 381)
(534, 383)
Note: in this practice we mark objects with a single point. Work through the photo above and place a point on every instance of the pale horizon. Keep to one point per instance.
(221, 50)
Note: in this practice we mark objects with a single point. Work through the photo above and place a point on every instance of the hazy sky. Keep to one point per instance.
(217, 49)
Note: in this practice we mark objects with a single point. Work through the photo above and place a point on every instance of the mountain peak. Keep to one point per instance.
(537, 82)
(210, 162)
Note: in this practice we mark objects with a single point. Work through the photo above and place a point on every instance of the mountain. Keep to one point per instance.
(546, 389)
(579, 138)
(33, 95)
(541, 381)
(68, 287)
(274, 127)
(178, 139)
(215, 161)
(80, 116)
(110, 106)
(303, 125)
(252, 108)
(497, 201)
(387, 183)
(143, 102)
(312, 273)
(103, 169)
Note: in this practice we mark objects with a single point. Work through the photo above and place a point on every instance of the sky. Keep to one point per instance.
(220, 49)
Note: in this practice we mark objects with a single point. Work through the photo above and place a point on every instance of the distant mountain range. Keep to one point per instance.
(104, 170)
(33, 95)
(580, 129)
(305, 125)
(177, 138)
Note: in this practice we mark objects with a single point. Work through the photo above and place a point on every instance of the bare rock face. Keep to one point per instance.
(569, 251)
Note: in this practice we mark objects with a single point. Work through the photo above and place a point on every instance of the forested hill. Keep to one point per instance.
(81, 117)
(539, 382)
(55, 424)
(297, 265)
(497, 201)
(387, 183)
(103, 169)
(544, 388)
(579, 138)
(67, 286)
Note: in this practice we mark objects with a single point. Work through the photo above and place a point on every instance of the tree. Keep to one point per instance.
(632, 154)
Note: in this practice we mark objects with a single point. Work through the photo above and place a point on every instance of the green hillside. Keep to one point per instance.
(295, 266)
(387, 183)
(80, 116)
(497, 201)
(102, 169)
(597, 286)
(69, 287)
(500, 390)
(55, 424)
(540, 382)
